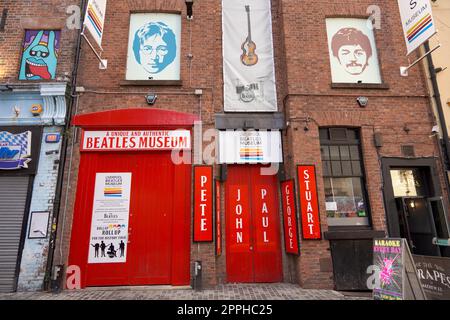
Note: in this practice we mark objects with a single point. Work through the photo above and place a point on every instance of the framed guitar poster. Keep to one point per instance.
(248, 65)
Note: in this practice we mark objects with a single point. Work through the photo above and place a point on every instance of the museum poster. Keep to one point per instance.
(110, 217)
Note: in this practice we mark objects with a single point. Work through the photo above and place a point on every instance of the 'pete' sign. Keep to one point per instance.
(289, 217)
(203, 204)
(142, 140)
(308, 202)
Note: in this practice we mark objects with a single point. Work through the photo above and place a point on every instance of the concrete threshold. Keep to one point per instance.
(137, 288)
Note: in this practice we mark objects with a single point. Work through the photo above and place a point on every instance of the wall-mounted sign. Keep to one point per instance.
(154, 47)
(417, 21)
(218, 221)
(434, 274)
(290, 217)
(309, 206)
(36, 109)
(203, 204)
(39, 225)
(15, 150)
(239, 220)
(40, 54)
(250, 147)
(248, 59)
(110, 218)
(95, 19)
(136, 140)
(52, 137)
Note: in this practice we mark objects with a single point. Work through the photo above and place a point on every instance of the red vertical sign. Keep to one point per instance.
(290, 218)
(239, 219)
(264, 215)
(308, 202)
(218, 222)
(203, 204)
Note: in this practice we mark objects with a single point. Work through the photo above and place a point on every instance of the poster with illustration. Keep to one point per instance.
(154, 47)
(353, 51)
(248, 56)
(40, 55)
(110, 218)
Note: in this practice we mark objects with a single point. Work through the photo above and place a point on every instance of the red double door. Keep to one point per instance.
(252, 226)
(158, 248)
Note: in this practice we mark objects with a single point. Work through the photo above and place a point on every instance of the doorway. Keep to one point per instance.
(252, 226)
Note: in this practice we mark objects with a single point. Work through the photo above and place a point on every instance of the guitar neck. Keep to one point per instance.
(249, 25)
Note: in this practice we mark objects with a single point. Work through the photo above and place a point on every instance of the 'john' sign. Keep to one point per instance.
(308, 202)
(136, 140)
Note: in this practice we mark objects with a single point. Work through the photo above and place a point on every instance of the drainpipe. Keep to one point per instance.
(51, 279)
(437, 97)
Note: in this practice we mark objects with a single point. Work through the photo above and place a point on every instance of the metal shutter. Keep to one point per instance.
(13, 199)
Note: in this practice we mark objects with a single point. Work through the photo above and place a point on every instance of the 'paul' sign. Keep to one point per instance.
(308, 202)
(203, 204)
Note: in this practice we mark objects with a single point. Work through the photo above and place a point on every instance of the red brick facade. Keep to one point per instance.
(305, 96)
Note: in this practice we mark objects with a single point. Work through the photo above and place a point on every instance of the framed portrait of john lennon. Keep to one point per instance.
(353, 51)
(154, 47)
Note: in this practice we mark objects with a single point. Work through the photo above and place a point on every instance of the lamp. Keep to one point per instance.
(189, 4)
(151, 98)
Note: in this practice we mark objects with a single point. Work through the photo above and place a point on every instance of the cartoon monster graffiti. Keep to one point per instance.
(40, 55)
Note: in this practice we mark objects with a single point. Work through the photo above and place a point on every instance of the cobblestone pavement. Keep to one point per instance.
(281, 291)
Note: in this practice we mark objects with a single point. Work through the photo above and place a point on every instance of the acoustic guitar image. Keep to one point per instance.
(249, 57)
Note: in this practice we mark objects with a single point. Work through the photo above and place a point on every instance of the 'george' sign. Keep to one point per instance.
(203, 204)
(290, 218)
(309, 205)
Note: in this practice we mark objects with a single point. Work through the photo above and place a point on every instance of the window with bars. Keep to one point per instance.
(345, 193)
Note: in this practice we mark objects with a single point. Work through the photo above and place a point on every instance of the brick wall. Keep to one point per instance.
(27, 14)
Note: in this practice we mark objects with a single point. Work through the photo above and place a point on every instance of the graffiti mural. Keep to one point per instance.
(40, 55)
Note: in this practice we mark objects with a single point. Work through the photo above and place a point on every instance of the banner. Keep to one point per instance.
(248, 58)
(246, 147)
(203, 204)
(136, 140)
(290, 217)
(309, 206)
(94, 20)
(417, 21)
(110, 217)
(15, 150)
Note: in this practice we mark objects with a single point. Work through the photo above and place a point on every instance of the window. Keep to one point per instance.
(353, 51)
(154, 47)
(343, 173)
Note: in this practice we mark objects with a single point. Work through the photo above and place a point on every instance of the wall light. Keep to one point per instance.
(189, 4)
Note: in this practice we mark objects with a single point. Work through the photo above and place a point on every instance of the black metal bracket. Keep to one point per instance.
(3, 21)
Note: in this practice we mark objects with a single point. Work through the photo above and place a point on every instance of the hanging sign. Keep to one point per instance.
(265, 211)
(110, 217)
(15, 150)
(247, 147)
(203, 204)
(94, 20)
(218, 221)
(290, 218)
(136, 140)
(309, 206)
(417, 21)
(248, 59)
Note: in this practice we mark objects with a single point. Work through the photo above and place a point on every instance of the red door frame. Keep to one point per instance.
(135, 119)
(252, 260)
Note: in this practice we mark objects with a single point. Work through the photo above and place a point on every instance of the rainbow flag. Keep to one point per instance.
(419, 28)
(113, 192)
(252, 154)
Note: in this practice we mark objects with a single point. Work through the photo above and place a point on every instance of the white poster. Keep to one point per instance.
(248, 59)
(95, 19)
(241, 147)
(111, 211)
(353, 51)
(154, 47)
(417, 21)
